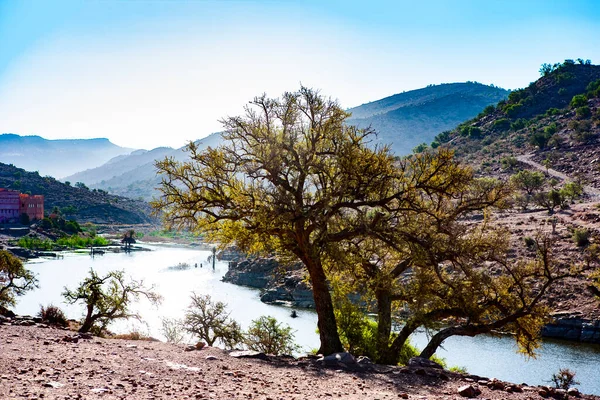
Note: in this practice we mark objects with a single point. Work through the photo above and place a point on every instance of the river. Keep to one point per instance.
(483, 355)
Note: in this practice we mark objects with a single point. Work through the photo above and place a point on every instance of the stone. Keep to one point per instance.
(53, 384)
(190, 348)
(420, 362)
(211, 358)
(573, 392)
(249, 354)
(469, 391)
(336, 358)
(200, 345)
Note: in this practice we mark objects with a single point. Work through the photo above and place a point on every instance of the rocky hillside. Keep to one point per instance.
(408, 119)
(80, 203)
(56, 157)
(555, 120)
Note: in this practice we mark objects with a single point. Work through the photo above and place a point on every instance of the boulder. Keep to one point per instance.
(469, 391)
(249, 354)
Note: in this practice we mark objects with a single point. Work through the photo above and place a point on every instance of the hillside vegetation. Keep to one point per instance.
(79, 203)
(57, 158)
(408, 119)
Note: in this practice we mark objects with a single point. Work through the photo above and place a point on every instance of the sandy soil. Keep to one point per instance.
(38, 362)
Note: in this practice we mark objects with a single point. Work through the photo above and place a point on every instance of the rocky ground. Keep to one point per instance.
(40, 362)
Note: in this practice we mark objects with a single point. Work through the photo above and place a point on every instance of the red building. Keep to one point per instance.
(13, 204)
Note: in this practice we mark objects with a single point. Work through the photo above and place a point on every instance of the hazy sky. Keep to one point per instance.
(149, 73)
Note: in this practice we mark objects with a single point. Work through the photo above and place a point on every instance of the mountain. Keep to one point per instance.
(119, 165)
(134, 175)
(79, 203)
(60, 157)
(408, 119)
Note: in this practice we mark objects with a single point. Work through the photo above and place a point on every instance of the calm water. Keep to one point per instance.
(482, 355)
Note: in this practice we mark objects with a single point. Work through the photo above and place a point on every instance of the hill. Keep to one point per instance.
(408, 119)
(134, 175)
(80, 203)
(554, 121)
(56, 157)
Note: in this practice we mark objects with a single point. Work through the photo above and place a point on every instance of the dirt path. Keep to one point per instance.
(593, 193)
(47, 363)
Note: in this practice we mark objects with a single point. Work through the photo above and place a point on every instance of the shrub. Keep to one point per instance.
(583, 112)
(53, 315)
(134, 335)
(552, 111)
(508, 162)
(564, 379)
(539, 139)
(210, 322)
(15, 280)
(420, 148)
(581, 237)
(562, 91)
(501, 124)
(518, 124)
(529, 241)
(551, 129)
(513, 110)
(172, 330)
(555, 141)
(578, 101)
(269, 336)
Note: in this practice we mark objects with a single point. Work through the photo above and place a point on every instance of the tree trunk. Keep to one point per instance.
(88, 322)
(328, 333)
(437, 339)
(392, 354)
(384, 325)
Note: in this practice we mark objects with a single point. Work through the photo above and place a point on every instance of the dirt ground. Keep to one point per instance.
(38, 362)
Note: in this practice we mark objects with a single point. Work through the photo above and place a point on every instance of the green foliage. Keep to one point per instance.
(583, 112)
(529, 242)
(267, 335)
(501, 124)
(509, 162)
(513, 110)
(489, 109)
(53, 315)
(35, 243)
(539, 139)
(528, 181)
(82, 242)
(81, 185)
(107, 298)
(562, 91)
(209, 321)
(552, 111)
(571, 191)
(420, 148)
(564, 379)
(15, 279)
(518, 124)
(581, 237)
(443, 137)
(593, 89)
(551, 129)
(578, 100)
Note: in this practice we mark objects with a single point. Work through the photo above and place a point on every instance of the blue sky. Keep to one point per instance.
(149, 73)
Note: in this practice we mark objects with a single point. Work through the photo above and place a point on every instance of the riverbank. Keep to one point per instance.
(37, 361)
(288, 285)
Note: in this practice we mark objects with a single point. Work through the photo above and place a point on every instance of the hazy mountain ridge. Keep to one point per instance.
(408, 119)
(59, 157)
(137, 177)
(79, 203)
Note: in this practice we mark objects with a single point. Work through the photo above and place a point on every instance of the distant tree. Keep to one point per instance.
(210, 321)
(528, 181)
(81, 185)
(107, 298)
(579, 100)
(67, 183)
(420, 148)
(546, 69)
(15, 279)
(129, 238)
(267, 335)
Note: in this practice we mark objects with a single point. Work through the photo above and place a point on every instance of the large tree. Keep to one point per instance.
(289, 171)
(435, 260)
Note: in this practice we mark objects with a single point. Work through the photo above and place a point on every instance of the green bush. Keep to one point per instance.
(562, 91)
(513, 110)
(270, 337)
(518, 124)
(552, 111)
(35, 243)
(529, 241)
(80, 242)
(581, 237)
(578, 101)
(564, 379)
(583, 112)
(501, 124)
(539, 139)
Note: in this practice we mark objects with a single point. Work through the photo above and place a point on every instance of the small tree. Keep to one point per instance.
(129, 238)
(15, 279)
(564, 379)
(210, 322)
(527, 181)
(108, 298)
(269, 336)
